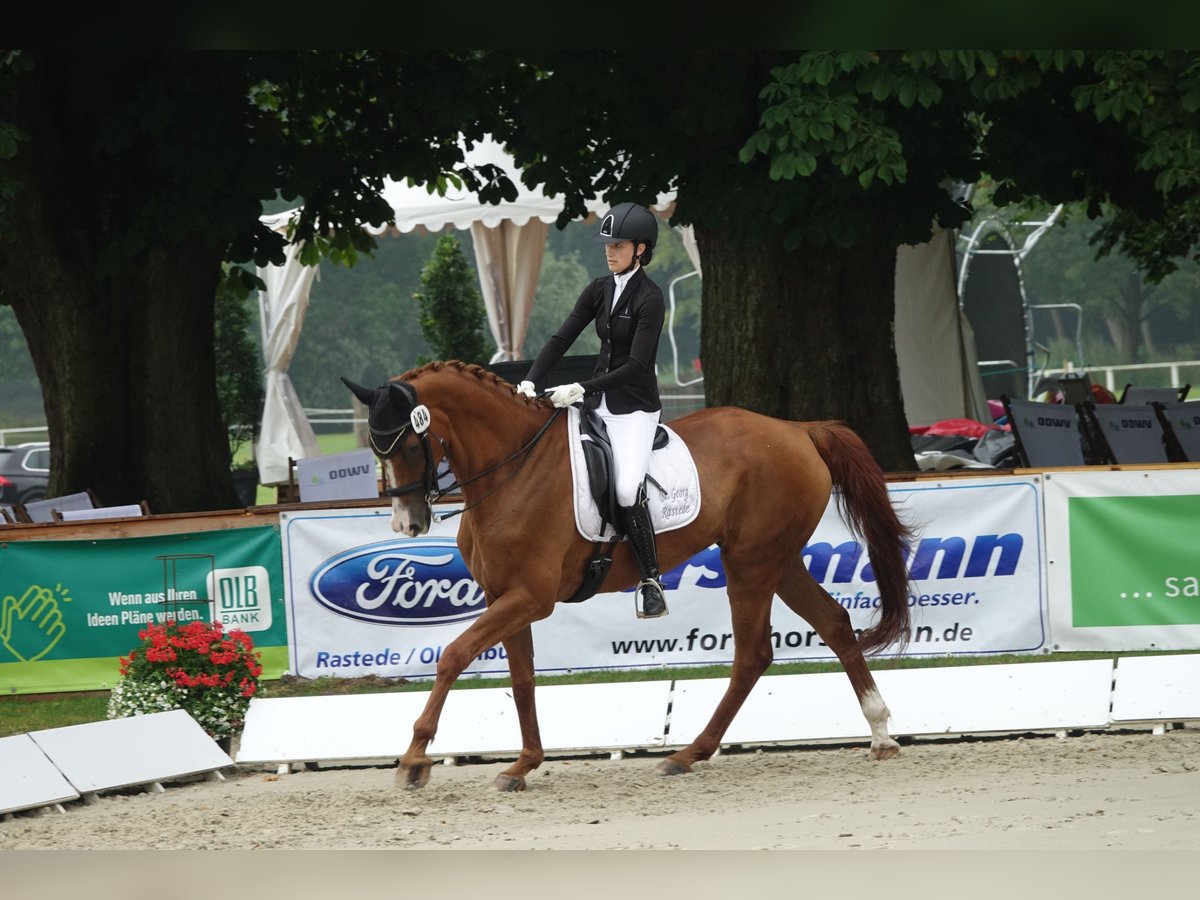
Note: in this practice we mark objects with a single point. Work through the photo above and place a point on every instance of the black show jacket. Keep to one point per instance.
(628, 343)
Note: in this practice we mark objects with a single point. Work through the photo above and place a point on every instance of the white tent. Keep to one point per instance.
(935, 349)
(509, 241)
(286, 431)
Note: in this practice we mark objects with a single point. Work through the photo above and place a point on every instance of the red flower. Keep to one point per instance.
(215, 671)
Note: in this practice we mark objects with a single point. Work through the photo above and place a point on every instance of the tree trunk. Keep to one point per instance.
(120, 330)
(128, 380)
(817, 342)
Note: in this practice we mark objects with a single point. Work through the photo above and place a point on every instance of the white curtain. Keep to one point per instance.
(688, 235)
(935, 348)
(286, 431)
(509, 259)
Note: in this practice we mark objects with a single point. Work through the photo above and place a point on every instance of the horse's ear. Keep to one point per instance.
(403, 396)
(366, 395)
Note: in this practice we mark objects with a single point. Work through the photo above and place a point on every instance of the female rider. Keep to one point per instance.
(628, 311)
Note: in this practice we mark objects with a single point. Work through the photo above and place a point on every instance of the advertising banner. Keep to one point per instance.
(70, 609)
(1124, 559)
(338, 476)
(363, 600)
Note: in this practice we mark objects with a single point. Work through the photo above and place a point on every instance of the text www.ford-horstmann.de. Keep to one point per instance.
(694, 640)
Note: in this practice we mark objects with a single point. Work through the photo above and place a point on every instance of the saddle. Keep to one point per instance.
(598, 455)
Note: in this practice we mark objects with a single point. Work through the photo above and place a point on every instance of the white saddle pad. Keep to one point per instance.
(672, 467)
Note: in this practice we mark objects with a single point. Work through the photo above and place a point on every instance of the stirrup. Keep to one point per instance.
(649, 601)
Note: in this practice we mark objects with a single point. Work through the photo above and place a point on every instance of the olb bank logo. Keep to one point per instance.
(241, 597)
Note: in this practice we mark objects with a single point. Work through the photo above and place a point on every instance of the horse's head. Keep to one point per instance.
(398, 427)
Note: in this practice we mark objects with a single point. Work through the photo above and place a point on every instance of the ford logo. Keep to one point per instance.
(417, 581)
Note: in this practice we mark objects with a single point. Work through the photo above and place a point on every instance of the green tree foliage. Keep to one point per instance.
(453, 317)
(801, 172)
(131, 177)
(239, 372)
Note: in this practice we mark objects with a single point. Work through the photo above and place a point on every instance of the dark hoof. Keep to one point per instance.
(508, 783)
(670, 767)
(413, 777)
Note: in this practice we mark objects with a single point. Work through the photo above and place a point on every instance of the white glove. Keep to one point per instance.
(566, 394)
(525, 389)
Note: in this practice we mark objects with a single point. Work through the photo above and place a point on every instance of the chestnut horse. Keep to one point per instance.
(764, 482)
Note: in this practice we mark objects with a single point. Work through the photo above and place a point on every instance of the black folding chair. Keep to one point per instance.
(1046, 434)
(1131, 434)
(1181, 428)
(1132, 393)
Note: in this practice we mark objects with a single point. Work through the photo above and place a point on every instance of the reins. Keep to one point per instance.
(428, 483)
(527, 449)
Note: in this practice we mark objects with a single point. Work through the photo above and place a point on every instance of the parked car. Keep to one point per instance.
(24, 472)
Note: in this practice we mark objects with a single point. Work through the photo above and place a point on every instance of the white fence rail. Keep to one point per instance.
(11, 436)
(1132, 372)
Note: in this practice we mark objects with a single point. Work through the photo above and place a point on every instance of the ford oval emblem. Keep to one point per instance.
(416, 581)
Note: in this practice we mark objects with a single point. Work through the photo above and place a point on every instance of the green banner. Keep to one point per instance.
(70, 609)
(1134, 560)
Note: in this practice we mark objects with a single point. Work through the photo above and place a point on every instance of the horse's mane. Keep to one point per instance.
(468, 369)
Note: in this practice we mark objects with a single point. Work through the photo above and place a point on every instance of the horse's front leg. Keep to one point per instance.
(519, 648)
(498, 622)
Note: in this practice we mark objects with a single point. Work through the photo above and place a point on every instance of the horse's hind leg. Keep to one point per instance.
(750, 607)
(519, 648)
(807, 599)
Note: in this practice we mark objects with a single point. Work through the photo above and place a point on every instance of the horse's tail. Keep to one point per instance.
(862, 498)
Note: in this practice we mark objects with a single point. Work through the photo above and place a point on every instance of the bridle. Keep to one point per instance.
(419, 422)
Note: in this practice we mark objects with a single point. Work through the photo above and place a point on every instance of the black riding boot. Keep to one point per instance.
(651, 601)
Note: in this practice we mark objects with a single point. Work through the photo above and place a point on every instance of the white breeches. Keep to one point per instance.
(632, 436)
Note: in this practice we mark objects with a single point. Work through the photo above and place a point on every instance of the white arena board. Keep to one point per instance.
(1035, 696)
(923, 702)
(136, 750)
(1156, 689)
(28, 778)
(474, 721)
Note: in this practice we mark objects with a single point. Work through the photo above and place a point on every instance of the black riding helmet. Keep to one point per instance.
(629, 222)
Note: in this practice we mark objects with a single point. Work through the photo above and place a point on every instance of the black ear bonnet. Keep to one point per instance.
(389, 406)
